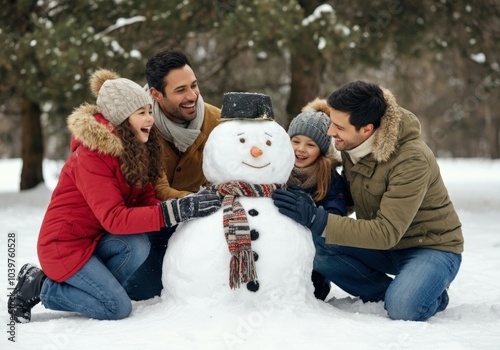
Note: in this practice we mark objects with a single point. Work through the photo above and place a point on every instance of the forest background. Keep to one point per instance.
(440, 58)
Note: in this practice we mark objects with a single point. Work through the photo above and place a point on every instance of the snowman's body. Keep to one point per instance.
(196, 263)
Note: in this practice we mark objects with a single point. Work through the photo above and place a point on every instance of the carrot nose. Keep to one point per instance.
(256, 152)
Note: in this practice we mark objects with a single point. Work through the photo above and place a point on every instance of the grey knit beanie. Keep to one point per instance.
(117, 98)
(313, 124)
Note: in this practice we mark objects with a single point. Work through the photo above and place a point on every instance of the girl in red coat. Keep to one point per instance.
(92, 237)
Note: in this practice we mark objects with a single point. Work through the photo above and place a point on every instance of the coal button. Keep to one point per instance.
(253, 212)
(253, 286)
(254, 234)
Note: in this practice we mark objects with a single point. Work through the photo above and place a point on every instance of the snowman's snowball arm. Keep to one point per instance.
(298, 205)
(193, 206)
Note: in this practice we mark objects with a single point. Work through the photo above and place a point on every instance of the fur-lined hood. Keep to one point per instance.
(396, 126)
(89, 128)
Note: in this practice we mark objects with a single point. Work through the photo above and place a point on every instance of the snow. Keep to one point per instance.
(317, 13)
(471, 321)
(120, 22)
(321, 43)
(478, 57)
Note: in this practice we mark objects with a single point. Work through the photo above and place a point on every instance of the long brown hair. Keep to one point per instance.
(324, 176)
(139, 162)
(326, 164)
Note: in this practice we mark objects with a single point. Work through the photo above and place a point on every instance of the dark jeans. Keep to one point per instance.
(145, 282)
(418, 290)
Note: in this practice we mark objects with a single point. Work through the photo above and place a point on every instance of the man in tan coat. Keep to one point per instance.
(183, 119)
(405, 226)
(184, 122)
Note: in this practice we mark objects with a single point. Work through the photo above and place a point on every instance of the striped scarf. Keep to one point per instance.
(236, 228)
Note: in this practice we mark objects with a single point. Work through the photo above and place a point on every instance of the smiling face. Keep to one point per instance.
(142, 121)
(306, 150)
(345, 134)
(178, 101)
(256, 152)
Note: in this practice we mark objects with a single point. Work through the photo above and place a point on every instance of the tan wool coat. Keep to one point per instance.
(183, 171)
(399, 196)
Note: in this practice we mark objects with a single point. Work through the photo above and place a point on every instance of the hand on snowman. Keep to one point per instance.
(193, 206)
(299, 206)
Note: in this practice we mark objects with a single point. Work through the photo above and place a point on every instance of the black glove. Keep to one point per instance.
(299, 206)
(192, 206)
(299, 191)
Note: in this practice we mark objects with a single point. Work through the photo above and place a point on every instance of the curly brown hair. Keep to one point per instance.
(139, 162)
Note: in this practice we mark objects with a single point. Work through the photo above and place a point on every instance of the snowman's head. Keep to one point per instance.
(249, 145)
(256, 152)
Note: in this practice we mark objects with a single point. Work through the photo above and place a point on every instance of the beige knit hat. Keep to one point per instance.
(117, 98)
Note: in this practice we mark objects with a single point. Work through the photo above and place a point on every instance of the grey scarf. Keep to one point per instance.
(175, 133)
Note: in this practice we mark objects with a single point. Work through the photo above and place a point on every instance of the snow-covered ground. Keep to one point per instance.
(471, 321)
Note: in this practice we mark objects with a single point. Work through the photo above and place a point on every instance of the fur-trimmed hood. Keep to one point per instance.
(396, 126)
(89, 128)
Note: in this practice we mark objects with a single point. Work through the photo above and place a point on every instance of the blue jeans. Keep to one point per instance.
(96, 290)
(416, 293)
(145, 282)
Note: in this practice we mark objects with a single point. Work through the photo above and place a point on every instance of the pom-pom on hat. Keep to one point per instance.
(117, 98)
(313, 122)
(246, 106)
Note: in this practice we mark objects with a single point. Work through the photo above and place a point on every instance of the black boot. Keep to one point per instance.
(26, 294)
(321, 285)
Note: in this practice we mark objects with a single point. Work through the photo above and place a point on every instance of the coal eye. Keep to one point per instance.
(242, 140)
(268, 142)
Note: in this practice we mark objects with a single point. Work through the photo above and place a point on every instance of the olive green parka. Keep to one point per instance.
(399, 197)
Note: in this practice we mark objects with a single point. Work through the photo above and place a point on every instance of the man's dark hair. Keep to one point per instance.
(161, 64)
(363, 101)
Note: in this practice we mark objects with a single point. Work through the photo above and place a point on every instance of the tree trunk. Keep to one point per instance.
(492, 124)
(306, 70)
(495, 151)
(492, 132)
(32, 145)
(306, 67)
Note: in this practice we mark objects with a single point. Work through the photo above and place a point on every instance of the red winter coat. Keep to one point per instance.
(91, 198)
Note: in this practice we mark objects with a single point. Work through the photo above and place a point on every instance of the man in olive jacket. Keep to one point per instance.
(184, 122)
(405, 226)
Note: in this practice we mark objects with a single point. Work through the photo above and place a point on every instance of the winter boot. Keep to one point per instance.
(26, 294)
(321, 285)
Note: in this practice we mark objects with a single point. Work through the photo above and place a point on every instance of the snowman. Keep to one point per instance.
(246, 252)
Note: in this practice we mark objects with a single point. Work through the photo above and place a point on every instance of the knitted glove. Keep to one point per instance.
(193, 206)
(298, 205)
(203, 190)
